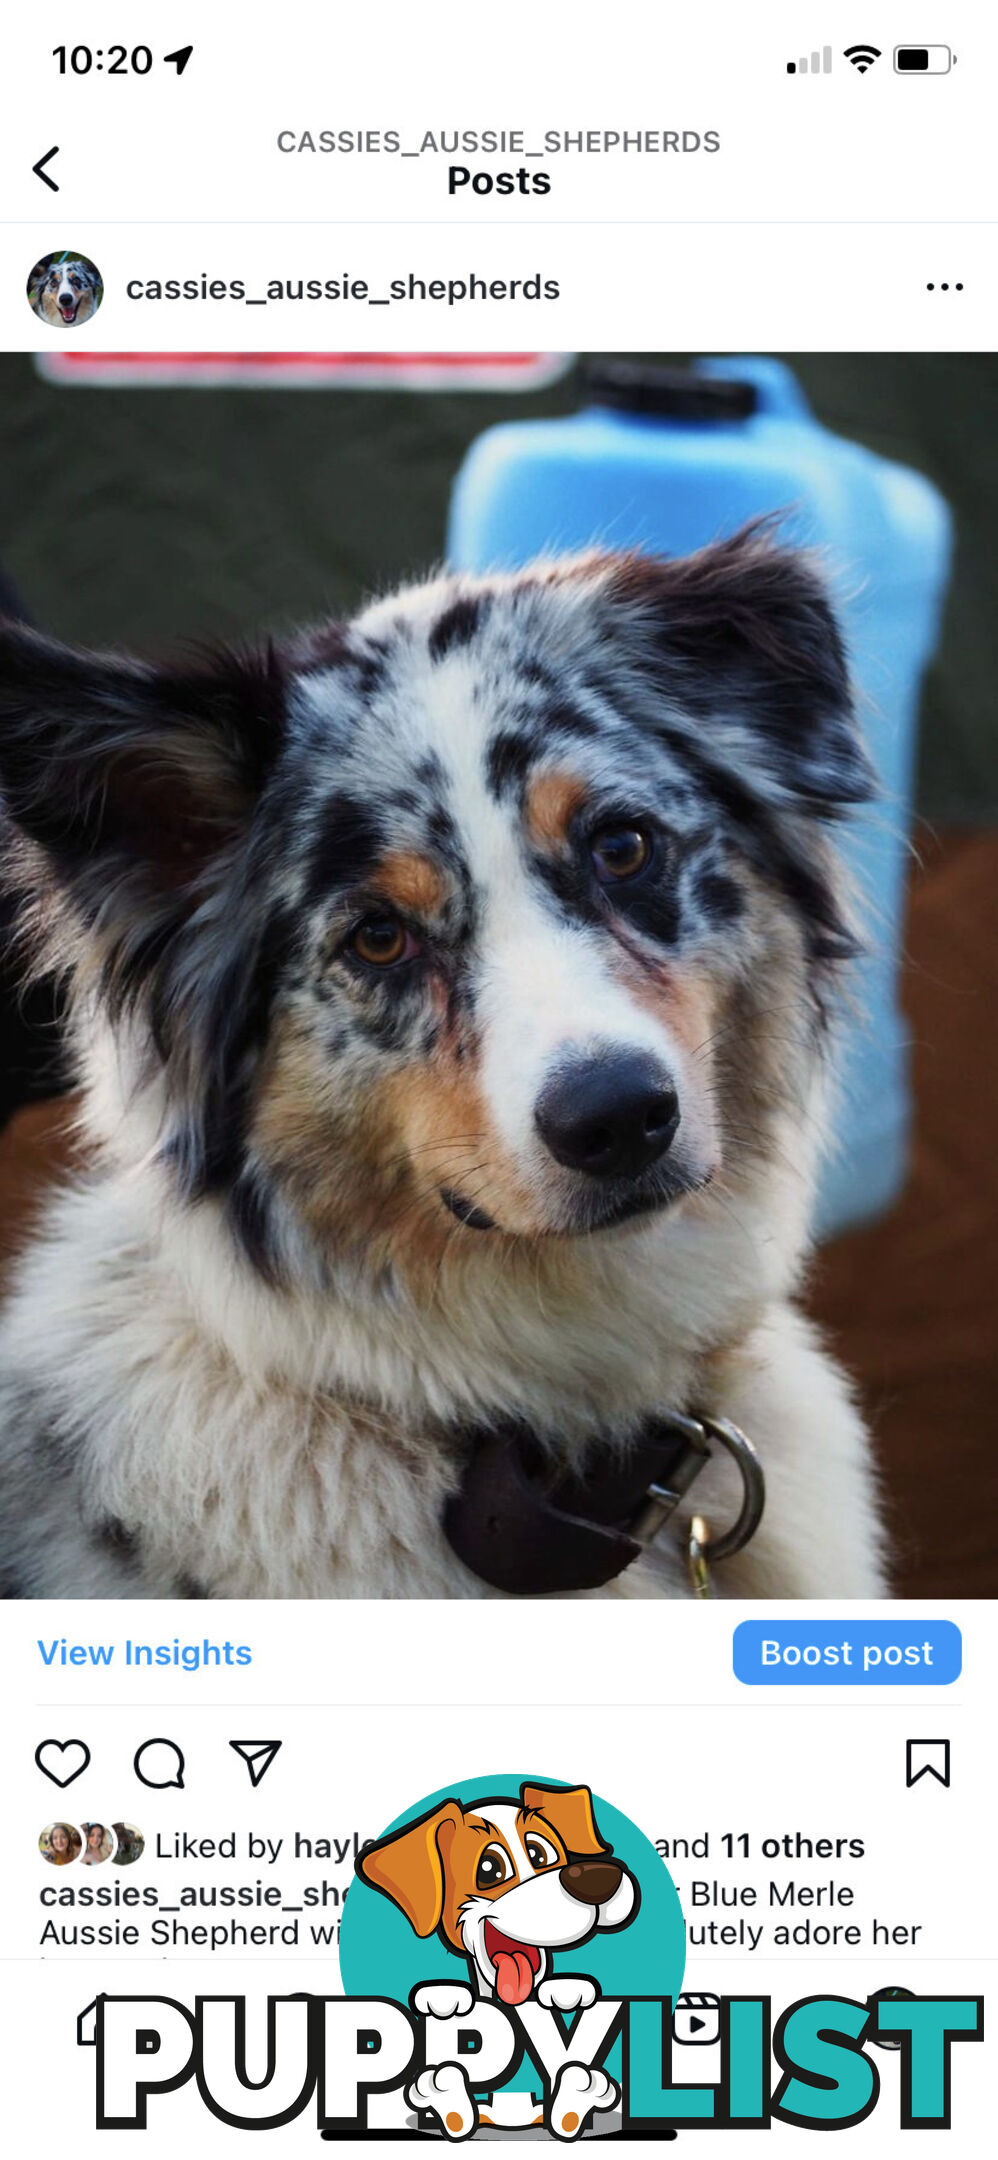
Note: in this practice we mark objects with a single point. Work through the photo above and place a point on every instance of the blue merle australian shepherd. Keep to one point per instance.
(451, 992)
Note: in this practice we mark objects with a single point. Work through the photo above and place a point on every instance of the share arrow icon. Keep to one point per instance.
(257, 1755)
(179, 60)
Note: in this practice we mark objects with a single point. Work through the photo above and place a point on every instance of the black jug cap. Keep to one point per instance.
(667, 393)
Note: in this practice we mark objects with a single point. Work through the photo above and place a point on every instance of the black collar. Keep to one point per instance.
(524, 1526)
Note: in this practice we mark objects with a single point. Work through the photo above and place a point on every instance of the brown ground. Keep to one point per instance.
(911, 1302)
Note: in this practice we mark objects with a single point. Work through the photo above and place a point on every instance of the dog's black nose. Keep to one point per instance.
(611, 1114)
(593, 1882)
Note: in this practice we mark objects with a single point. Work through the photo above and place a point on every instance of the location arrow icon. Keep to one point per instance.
(179, 60)
(41, 172)
(257, 1755)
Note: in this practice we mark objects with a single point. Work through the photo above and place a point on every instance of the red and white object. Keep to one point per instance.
(306, 371)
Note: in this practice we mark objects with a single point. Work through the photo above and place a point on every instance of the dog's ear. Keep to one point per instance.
(125, 781)
(742, 639)
(130, 841)
(408, 1866)
(570, 1813)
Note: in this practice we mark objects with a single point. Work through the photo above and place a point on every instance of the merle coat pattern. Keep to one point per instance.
(347, 925)
(68, 294)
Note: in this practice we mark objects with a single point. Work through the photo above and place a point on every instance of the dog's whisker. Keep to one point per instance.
(716, 1190)
(404, 1159)
(763, 1144)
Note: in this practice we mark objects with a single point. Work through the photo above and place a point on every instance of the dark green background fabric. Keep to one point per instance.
(146, 516)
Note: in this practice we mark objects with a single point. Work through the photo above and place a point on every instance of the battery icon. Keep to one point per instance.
(923, 59)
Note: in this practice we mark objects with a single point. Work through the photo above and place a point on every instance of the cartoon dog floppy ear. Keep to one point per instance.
(408, 1865)
(569, 1812)
(412, 1865)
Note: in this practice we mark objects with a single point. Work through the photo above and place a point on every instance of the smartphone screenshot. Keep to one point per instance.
(498, 1047)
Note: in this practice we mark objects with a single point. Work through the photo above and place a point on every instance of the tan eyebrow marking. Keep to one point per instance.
(553, 799)
(527, 1816)
(411, 882)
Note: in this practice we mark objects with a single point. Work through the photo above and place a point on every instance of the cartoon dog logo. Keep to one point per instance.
(505, 1886)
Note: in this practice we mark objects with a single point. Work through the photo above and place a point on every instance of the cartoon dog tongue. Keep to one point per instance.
(514, 1975)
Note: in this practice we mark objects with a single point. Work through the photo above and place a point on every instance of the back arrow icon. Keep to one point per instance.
(40, 168)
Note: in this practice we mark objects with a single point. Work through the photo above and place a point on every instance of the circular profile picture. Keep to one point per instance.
(130, 1846)
(60, 1842)
(888, 1995)
(65, 289)
(525, 1877)
(98, 1844)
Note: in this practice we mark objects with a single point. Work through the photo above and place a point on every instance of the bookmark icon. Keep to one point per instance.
(927, 1758)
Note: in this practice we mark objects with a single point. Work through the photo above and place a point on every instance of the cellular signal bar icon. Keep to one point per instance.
(820, 63)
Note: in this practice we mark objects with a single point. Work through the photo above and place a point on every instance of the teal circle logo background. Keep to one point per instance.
(380, 1954)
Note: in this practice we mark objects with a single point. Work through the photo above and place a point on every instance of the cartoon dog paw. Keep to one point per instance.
(567, 1991)
(444, 2092)
(578, 2094)
(442, 1999)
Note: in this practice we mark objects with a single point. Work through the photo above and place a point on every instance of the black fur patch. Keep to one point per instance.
(456, 626)
(116, 1538)
(719, 898)
(777, 853)
(508, 761)
(429, 771)
(235, 1033)
(441, 832)
(350, 837)
(569, 721)
(532, 669)
(572, 885)
(250, 1217)
(652, 905)
(334, 647)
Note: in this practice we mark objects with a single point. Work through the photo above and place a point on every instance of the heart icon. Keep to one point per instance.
(62, 1760)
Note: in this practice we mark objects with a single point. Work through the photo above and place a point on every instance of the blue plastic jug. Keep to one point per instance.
(668, 461)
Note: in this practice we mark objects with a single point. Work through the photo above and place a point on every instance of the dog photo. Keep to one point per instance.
(432, 1012)
(65, 290)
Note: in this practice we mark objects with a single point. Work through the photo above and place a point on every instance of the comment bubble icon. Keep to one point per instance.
(160, 1763)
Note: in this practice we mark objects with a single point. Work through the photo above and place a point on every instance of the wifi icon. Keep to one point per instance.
(862, 56)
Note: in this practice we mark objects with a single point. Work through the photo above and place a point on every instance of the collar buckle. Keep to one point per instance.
(661, 1501)
(663, 1496)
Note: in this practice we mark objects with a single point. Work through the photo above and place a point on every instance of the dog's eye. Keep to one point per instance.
(382, 941)
(539, 1853)
(494, 1867)
(618, 852)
